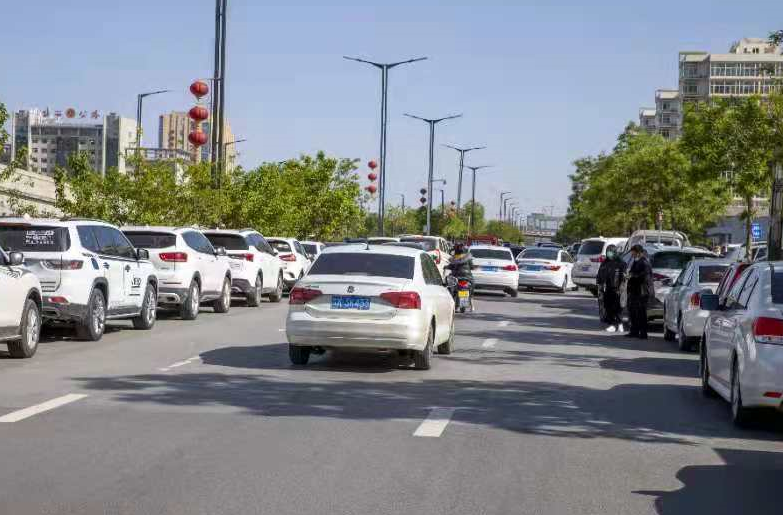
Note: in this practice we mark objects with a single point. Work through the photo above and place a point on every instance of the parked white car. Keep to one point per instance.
(294, 258)
(190, 270)
(20, 311)
(494, 269)
(683, 319)
(592, 253)
(742, 346)
(544, 267)
(387, 297)
(89, 272)
(436, 247)
(313, 248)
(255, 268)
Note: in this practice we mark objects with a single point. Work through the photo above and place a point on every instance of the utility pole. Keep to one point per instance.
(139, 103)
(500, 206)
(775, 236)
(384, 67)
(217, 119)
(471, 218)
(462, 152)
(403, 202)
(432, 122)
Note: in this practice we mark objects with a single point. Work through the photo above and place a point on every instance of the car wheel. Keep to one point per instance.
(254, 295)
(276, 295)
(668, 334)
(30, 328)
(189, 308)
(564, 287)
(148, 315)
(683, 342)
(594, 291)
(95, 324)
(740, 415)
(223, 304)
(704, 371)
(422, 359)
(512, 292)
(447, 346)
(298, 354)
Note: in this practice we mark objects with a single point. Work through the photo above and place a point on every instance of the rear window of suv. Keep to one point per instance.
(504, 255)
(280, 246)
(34, 238)
(377, 265)
(428, 243)
(591, 248)
(675, 260)
(151, 240)
(227, 241)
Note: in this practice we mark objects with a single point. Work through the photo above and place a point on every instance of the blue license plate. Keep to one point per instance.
(350, 302)
(490, 268)
(534, 268)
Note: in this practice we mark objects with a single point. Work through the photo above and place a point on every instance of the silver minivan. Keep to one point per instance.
(591, 254)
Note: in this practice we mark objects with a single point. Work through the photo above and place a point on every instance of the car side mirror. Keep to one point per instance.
(220, 251)
(142, 254)
(15, 259)
(309, 256)
(708, 302)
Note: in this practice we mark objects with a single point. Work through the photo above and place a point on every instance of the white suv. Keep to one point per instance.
(191, 271)
(20, 311)
(436, 247)
(89, 272)
(294, 258)
(255, 269)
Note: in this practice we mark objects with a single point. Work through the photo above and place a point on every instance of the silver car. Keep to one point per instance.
(683, 319)
(742, 346)
(592, 252)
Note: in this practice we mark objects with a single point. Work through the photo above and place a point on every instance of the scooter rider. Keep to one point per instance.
(462, 263)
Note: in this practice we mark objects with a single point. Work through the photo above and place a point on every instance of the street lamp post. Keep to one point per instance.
(474, 169)
(384, 67)
(403, 202)
(504, 218)
(225, 152)
(500, 207)
(139, 103)
(442, 201)
(462, 152)
(431, 122)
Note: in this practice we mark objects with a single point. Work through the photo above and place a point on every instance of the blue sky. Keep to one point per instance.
(540, 83)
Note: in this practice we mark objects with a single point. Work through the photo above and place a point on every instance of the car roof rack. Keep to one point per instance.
(80, 219)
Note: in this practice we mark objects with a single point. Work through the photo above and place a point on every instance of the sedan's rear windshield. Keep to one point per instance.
(712, 273)
(504, 255)
(777, 286)
(541, 253)
(675, 260)
(151, 240)
(591, 248)
(428, 244)
(364, 263)
(310, 248)
(280, 246)
(227, 241)
(34, 238)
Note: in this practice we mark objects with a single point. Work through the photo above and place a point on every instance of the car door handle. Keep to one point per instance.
(105, 264)
(127, 268)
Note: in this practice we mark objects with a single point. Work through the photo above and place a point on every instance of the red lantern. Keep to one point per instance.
(373, 165)
(423, 191)
(372, 189)
(198, 113)
(199, 89)
(372, 176)
(197, 138)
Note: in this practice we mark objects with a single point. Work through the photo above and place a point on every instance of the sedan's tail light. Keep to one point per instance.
(248, 256)
(173, 257)
(510, 268)
(659, 277)
(695, 301)
(768, 330)
(288, 257)
(64, 264)
(599, 259)
(303, 295)
(403, 299)
(436, 255)
(552, 268)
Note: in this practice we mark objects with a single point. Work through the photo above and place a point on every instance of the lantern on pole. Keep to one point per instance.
(372, 189)
(199, 89)
(373, 165)
(197, 138)
(372, 176)
(198, 113)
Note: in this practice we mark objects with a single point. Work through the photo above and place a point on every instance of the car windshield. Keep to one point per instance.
(541, 253)
(310, 248)
(34, 238)
(675, 260)
(504, 255)
(280, 246)
(591, 248)
(711, 273)
(364, 263)
(427, 243)
(227, 241)
(151, 240)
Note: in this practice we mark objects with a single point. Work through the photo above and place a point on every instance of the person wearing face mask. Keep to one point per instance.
(640, 289)
(610, 277)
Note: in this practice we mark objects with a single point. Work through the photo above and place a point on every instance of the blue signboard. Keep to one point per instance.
(755, 231)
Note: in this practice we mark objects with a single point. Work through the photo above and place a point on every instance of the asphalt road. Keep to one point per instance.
(537, 412)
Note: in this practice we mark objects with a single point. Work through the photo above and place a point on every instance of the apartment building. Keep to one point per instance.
(647, 117)
(173, 130)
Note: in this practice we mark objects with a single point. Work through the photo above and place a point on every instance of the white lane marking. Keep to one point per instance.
(489, 343)
(282, 330)
(435, 423)
(22, 414)
(180, 363)
(504, 323)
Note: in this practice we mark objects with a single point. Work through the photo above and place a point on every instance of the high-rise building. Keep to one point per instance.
(50, 140)
(647, 119)
(668, 113)
(173, 130)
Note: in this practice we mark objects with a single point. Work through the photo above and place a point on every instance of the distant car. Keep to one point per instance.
(683, 319)
(742, 345)
(542, 267)
(653, 236)
(380, 240)
(20, 311)
(294, 258)
(549, 244)
(409, 244)
(516, 249)
(190, 269)
(436, 246)
(313, 248)
(592, 253)
(387, 297)
(89, 272)
(494, 269)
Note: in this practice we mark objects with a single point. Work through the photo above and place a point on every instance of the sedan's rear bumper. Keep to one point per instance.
(494, 280)
(584, 280)
(402, 333)
(540, 280)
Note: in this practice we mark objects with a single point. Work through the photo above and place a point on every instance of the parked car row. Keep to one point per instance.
(83, 272)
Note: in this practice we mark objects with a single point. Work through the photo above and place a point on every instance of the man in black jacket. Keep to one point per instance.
(639, 292)
(610, 277)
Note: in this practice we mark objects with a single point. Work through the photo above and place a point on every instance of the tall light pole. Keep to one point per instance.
(432, 122)
(500, 207)
(225, 147)
(139, 103)
(474, 169)
(403, 202)
(442, 201)
(462, 152)
(505, 209)
(217, 120)
(384, 67)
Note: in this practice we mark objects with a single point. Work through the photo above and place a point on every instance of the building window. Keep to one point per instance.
(665, 133)
(35, 160)
(690, 89)
(44, 140)
(35, 140)
(666, 119)
(43, 160)
(35, 151)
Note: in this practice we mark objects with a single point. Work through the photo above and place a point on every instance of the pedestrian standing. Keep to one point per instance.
(610, 277)
(640, 288)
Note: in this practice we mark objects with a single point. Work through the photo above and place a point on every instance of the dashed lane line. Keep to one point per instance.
(180, 363)
(22, 414)
(504, 323)
(435, 423)
(489, 343)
